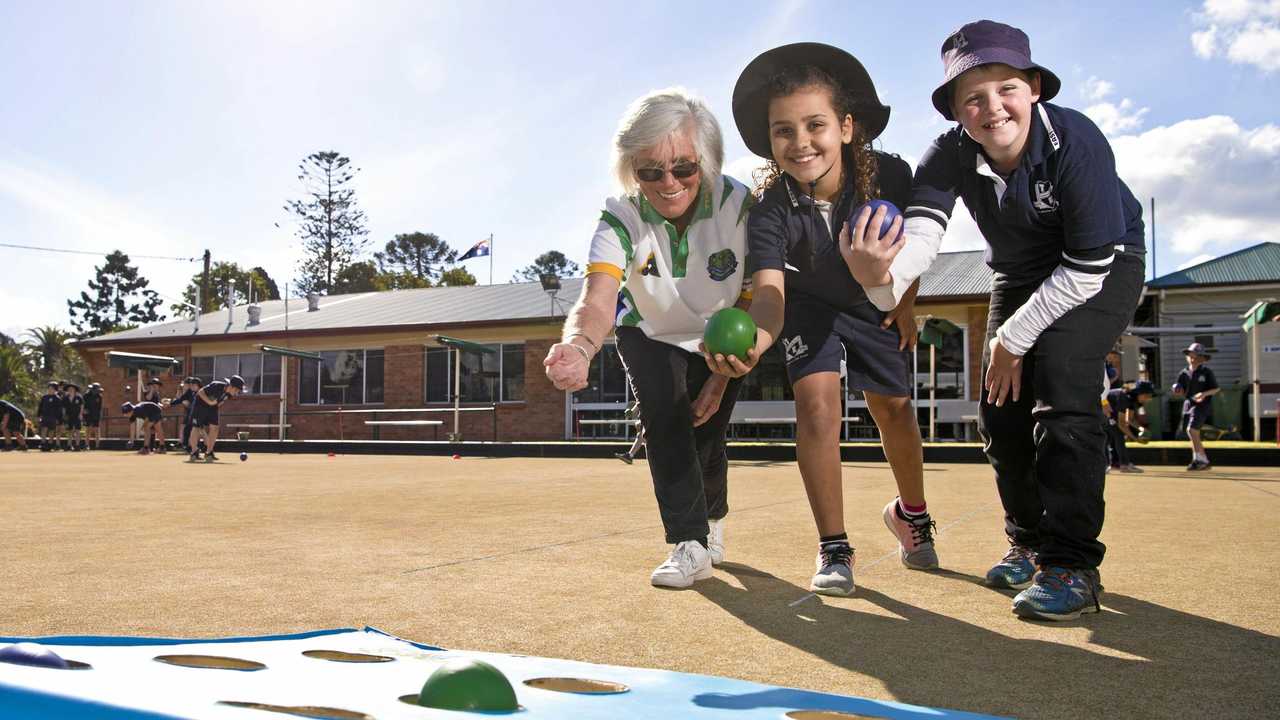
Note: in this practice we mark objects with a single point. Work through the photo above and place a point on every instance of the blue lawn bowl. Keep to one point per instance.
(33, 655)
(891, 212)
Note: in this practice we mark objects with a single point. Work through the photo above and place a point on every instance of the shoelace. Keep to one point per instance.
(922, 533)
(1017, 552)
(836, 555)
(1058, 578)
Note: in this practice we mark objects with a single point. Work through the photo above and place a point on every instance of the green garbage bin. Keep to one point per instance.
(1228, 413)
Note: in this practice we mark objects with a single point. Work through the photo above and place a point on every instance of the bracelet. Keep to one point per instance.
(594, 346)
(580, 349)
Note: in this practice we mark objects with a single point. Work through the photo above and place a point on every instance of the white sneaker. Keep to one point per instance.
(715, 540)
(834, 575)
(689, 561)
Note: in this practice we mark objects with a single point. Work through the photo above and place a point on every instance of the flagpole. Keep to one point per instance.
(490, 258)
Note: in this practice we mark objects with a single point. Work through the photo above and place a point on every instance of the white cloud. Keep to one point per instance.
(1246, 32)
(1096, 88)
(962, 231)
(1116, 118)
(1216, 184)
(743, 169)
(1195, 261)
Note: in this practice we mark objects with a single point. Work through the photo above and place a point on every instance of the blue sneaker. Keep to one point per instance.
(1060, 594)
(1015, 571)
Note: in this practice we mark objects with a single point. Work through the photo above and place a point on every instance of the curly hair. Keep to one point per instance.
(856, 156)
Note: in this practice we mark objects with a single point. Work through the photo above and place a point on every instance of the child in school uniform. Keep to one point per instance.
(186, 401)
(1122, 418)
(93, 416)
(152, 416)
(205, 417)
(13, 423)
(50, 414)
(812, 111)
(72, 409)
(1065, 239)
(1197, 384)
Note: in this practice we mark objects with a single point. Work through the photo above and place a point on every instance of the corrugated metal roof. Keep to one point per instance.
(1257, 264)
(962, 273)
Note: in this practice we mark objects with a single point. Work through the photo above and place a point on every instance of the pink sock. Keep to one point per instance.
(912, 509)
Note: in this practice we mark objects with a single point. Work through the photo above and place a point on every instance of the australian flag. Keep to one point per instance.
(480, 249)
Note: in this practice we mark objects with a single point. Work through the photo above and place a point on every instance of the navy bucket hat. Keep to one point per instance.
(987, 42)
(751, 92)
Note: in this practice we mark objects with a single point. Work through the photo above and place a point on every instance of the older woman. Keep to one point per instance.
(669, 252)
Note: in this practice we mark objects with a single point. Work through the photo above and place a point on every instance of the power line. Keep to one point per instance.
(99, 254)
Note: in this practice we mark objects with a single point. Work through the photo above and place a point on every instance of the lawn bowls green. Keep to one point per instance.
(730, 331)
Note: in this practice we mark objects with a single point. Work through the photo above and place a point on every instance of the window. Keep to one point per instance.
(261, 372)
(952, 380)
(606, 379)
(342, 377)
(485, 378)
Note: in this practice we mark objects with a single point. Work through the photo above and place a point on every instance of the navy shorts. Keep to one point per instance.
(816, 337)
(92, 421)
(1194, 417)
(204, 415)
(16, 423)
(72, 423)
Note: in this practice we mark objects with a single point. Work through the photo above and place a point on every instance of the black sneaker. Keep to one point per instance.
(624, 457)
(211, 458)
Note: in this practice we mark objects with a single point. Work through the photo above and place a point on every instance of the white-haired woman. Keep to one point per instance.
(669, 252)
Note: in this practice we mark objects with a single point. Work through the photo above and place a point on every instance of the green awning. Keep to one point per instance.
(462, 344)
(138, 361)
(935, 329)
(273, 350)
(1263, 311)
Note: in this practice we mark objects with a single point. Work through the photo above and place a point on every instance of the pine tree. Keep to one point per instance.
(330, 225)
(119, 297)
(552, 262)
(422, 254)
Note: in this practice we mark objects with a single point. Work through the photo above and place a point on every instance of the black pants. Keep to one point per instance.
(1119, 452)
(689, 465)
(1048, 449)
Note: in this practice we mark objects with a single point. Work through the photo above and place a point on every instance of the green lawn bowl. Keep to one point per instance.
(468, 685)
(730, 331)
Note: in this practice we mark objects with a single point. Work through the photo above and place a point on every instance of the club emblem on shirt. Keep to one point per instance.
(794, 348)
(651, 267)
(1044, 200)
(721, 265)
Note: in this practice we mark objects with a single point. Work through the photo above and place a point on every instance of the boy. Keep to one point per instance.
(186, 401)
(13, 423)
(1197, 384)
(1122, 417)
(151, 415)
(1065, 240)
(50, 414)
(72, 408)
(93, 415)
(205, 417)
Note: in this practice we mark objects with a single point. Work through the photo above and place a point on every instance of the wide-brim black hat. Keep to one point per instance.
(71, 385)
(751, 93)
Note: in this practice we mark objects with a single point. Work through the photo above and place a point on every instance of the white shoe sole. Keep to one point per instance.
(833, 592)
(678, 582)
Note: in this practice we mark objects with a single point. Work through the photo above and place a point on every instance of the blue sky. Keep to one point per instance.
(168, 127)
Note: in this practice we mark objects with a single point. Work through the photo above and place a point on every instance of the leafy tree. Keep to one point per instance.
(120, 296)
(5, 340)
(356, 278)
(457, 277)
(16, 382)
(48, 345)
(222, 274)
(552, 262)
(330, 225)
(423, 255)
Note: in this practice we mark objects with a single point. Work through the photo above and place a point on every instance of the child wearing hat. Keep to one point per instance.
(151, 415)
(1197, 384)
(186, 401)
(13, 423)
(1065, 239)
(1122, 417)
(93, 415)
(812, 111)
(207, 401)
(49, 413)
(72, 409)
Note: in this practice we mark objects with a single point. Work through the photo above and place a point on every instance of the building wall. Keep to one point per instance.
(1208, 306)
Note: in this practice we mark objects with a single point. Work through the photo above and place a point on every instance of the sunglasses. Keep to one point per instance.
(679, 171)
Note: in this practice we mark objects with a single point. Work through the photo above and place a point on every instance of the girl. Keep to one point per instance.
(1065, 240)
(812, 111)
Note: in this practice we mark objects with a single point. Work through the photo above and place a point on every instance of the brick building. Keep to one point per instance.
(378, 353)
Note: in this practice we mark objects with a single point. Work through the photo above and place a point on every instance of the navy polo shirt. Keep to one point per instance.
(1118, 401)
(1194, 382)
(215, 391)
(8, 408)
(1064, 201)
(786, 232)
(149, 411)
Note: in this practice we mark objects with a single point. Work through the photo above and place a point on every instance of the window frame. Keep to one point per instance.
(364, 378)
(499, 350)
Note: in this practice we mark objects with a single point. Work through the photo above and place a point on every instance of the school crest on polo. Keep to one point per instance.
(651, 267)
(721, 265)
(1043, 198)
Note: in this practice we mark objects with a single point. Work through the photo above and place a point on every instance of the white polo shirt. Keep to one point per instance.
(672, 283)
